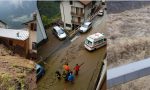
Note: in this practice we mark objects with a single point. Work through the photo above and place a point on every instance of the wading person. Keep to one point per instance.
(66, 67)
(71, 77)
(58, 75)
(65, 76)
(76, 68)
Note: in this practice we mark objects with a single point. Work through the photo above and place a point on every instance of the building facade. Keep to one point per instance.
(36, 31)
(31, 27)
(41, 33)
(74, 13)
(15, 40)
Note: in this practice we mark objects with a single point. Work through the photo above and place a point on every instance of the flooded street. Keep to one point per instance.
(75, 53)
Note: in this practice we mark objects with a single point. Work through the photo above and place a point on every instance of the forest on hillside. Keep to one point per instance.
(50, 11)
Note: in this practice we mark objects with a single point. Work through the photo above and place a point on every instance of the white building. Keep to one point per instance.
(36, 30)
(73, 13)
(41, 33)
(3, 24)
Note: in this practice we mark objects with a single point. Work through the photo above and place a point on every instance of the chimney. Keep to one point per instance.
(17, 34)
(34, 16)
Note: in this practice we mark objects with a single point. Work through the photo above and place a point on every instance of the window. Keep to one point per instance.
(33, 26)
(105, 39)
(60, 31)
(54, 30)
(81, 10)
(71, 2)
(98, 42)
(34, 45)
(93, 2)
(88, 42)
(77, 10)
(101, 41)
(68, 25)
(38, 70)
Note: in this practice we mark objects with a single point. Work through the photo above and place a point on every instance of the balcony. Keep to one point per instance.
(77, 14)
(76, 22)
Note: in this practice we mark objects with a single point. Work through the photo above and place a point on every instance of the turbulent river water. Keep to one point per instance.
(120, 6)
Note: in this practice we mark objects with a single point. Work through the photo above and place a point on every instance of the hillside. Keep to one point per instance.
(49, 11)
(16, 73)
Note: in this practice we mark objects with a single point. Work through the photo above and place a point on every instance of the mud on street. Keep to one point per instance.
(75, 53)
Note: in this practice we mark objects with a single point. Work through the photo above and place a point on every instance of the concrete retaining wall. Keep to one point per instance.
(123, 74)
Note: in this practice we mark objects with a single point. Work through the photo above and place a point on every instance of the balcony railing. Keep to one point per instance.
(77, 14)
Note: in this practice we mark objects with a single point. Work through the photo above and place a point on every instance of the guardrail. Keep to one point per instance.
(132, 71)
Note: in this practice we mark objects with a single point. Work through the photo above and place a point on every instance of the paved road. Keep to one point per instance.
(74, 52)
(53, 44)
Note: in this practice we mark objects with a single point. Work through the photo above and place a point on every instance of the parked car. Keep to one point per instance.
(85, 27)
(39, 71)
(95, 41)
(101, 12)
(59, 32)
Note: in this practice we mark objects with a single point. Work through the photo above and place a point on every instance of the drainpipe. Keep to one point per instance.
(64, 15)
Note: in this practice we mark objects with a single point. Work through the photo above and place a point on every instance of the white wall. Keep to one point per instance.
(32, 38)
(65, 8)
(66, 13)
(41, 34)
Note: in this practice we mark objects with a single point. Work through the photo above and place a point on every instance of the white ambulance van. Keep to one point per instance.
(95, 41)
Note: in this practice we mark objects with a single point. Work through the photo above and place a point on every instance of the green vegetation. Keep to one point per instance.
(5, 81)
(50, 11)
(16, 72)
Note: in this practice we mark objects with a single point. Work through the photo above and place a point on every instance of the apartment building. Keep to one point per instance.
(73, 13)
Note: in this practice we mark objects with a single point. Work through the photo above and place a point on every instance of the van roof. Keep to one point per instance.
(95, 36)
